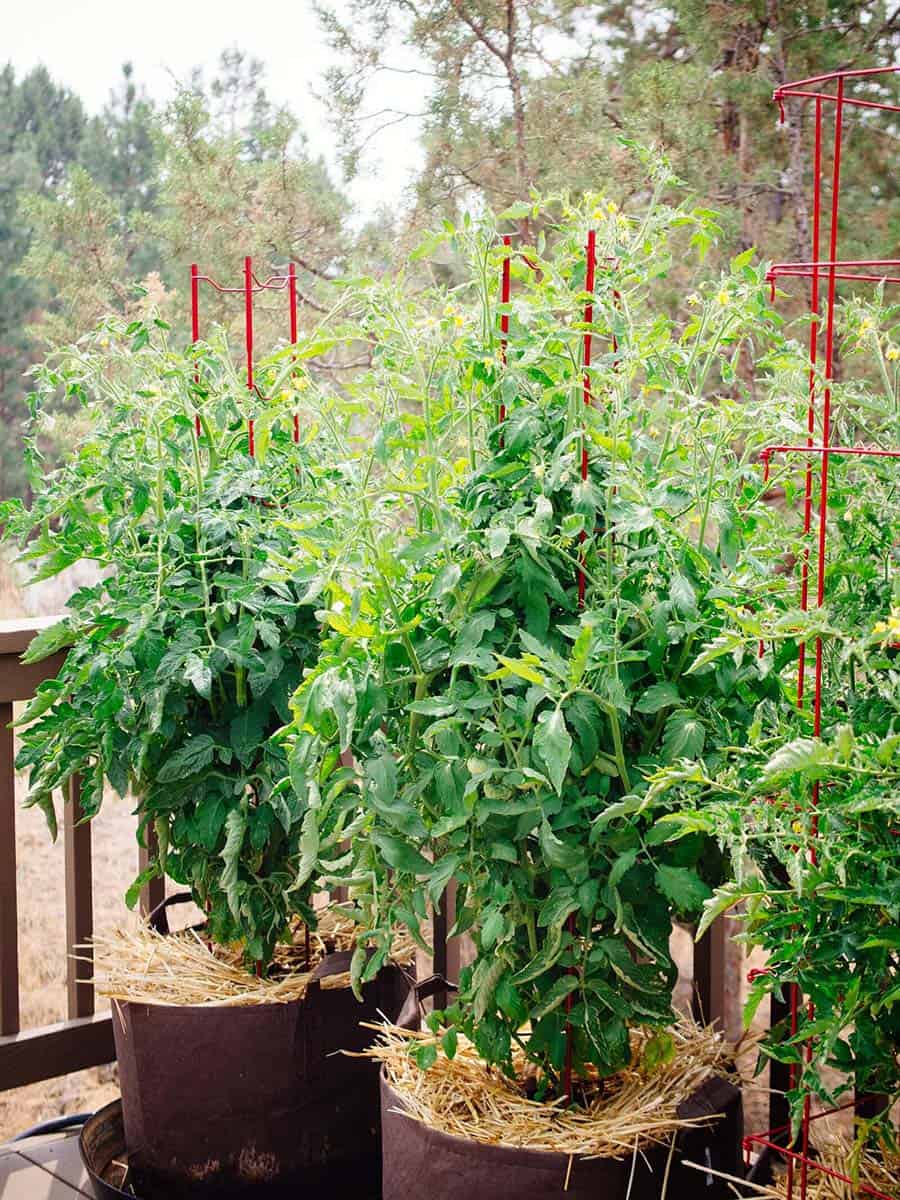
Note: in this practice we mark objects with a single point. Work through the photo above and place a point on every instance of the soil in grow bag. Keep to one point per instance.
(238, 1100)
(421, 1161)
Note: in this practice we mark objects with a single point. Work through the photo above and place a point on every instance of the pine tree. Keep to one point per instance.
(40, 135)
(518, 95)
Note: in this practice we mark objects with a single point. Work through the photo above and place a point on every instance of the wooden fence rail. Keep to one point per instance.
(85, 1038)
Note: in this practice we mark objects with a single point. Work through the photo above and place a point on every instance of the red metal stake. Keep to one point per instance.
(811, 410)
(504, 316)
(292, 294)
(248, 340)
(590, 252)
(590, 266)
(823, 525)
(195, 325)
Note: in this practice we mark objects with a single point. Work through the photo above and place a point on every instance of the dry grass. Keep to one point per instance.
(463, 1097)
(836, 1151)
(142, 966)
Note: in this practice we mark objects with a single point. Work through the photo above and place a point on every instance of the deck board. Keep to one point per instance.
(43, 1168)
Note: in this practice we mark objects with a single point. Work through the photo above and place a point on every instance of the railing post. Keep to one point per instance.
(779, 1075)
(446, 949)
(9, 933)
(79, 907)
(154, 892)
(710, 963)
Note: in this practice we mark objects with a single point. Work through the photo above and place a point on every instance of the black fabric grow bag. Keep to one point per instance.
(224, 1101)
(420, 1161)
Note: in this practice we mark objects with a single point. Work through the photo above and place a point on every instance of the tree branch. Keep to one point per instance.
(480, 32)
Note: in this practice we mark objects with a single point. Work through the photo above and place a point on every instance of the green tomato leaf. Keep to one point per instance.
(622, 866)
(554, 746)
(400, 855)
(309, 848)
(209, 817)
(48, 641)
(197, 671)
(381, 792)
(189, 759)
(235, 828)
(492, 928)
(684, 736)
(246, 732)
(139, 883)
(682, 595)
(560, 854)
(564, 986)
(657, 697)
(806, 755)
(682, 887)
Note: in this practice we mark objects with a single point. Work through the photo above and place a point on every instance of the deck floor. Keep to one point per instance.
(43, 1168)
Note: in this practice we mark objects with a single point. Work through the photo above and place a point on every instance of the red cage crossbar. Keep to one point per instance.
(807, 89)
(252, 285)
(848, 269)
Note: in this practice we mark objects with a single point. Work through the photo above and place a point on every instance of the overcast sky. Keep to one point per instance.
(83, 43)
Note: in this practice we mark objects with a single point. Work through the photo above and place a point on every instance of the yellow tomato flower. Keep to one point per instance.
(892, 354)
(723, 298)
(693, 299)
(890, 628)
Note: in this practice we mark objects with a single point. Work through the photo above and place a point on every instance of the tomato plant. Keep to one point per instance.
(183, 654)
(506, 731)
(810, 823)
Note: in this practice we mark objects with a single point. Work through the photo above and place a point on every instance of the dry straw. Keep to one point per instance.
(146, 967)
(834, 1149)
(464, 1097)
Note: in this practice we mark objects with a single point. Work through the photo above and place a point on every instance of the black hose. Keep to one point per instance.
(56, 1125)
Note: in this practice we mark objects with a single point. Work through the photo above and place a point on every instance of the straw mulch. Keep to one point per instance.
(464, 1097)
(145, 967)
(835, 1150)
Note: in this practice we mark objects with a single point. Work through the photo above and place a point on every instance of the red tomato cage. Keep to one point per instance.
(250, 286)
(829, 93)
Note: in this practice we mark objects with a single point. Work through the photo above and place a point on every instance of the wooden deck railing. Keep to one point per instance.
(85, 1038)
